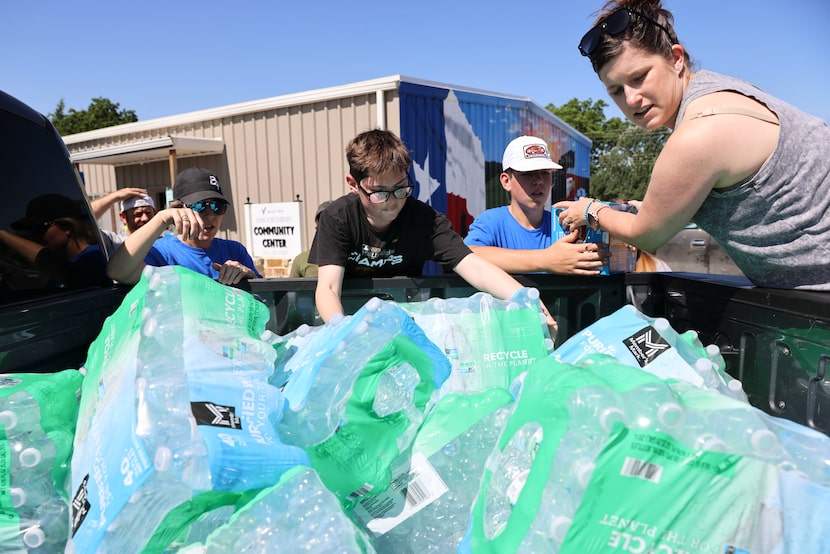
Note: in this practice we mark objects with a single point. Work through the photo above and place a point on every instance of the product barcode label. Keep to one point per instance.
(415, 493)
(413, 487)
(632, 467)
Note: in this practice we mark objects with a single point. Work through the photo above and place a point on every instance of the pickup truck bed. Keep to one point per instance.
(776, 342)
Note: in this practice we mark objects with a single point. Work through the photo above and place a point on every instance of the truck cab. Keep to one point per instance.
(52, 303)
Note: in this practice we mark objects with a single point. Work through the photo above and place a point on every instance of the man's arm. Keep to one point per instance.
(329, 287)
(101, 205)
(127, 262)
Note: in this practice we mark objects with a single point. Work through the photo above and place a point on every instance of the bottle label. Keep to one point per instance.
(487, 349)
(650, 493)
(111, 475)
(215, 415)
(415, 485)
(628, 336)
(645, 345)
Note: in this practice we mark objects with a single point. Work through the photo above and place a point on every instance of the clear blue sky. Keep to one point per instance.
(166, 58)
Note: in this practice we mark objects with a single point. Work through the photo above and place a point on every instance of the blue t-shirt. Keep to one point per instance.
(498, 227)
(169, 250)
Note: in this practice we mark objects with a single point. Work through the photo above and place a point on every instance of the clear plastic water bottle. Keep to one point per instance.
(440, 526)
(28, 491)
(653, 406)
(320, 414)
(746, 431)
(396, 389)
(510, 469)
(596, 409)
(324, 370)
(19, 412)
(48, 530)
(135, 523)
(560, 500)
(735, 389)
(36, 452)
(297, 515)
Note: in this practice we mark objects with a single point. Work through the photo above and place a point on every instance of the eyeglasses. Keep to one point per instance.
(614, 25)
(218, 207)
(381, 196)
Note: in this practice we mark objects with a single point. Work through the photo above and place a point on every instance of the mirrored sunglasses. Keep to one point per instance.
(218, 207)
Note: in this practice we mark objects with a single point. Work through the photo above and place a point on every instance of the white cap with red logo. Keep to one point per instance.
(527, 154)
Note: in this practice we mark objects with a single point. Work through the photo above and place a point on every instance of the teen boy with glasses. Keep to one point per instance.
(379, 230)
(196, 214)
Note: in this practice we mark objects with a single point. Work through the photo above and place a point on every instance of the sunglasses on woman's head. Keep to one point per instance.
(614, 25)
(218, 207)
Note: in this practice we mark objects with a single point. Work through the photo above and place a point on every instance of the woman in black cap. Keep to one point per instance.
(56, 236)
(196, 213)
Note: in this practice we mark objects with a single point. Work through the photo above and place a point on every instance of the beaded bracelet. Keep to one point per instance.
(595, 216)
(585, 215)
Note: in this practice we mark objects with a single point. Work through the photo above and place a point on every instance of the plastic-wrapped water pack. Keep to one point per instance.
(652, 344)
(488, 341)
(427, 509)
(37, 419)
(356, 392)
(176, 404)
(603, 457)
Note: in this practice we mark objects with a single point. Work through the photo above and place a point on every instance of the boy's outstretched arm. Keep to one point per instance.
(489, 278)
(329, 287)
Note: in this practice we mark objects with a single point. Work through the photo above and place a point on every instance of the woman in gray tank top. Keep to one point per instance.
(748, 168)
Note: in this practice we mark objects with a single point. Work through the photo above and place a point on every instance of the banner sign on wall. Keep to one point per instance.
(274, 230)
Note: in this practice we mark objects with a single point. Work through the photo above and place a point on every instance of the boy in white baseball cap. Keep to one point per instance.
(518, 237)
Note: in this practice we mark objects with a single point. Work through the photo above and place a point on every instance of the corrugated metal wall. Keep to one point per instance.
(290, 148)
(276, 155)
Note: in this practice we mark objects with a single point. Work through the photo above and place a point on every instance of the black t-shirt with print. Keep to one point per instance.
(419, 233)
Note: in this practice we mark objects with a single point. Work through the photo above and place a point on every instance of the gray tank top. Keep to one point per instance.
(776, 225)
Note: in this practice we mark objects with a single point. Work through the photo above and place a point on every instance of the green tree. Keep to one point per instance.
(624, 170)
(622, 154)
(102, 112)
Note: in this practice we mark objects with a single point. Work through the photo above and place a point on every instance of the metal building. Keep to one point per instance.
(291, 147)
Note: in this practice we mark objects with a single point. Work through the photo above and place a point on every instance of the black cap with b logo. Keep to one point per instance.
(197, 183)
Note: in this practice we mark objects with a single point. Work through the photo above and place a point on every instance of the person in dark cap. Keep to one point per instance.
(299, 265)
(195, 215)
(57, 237)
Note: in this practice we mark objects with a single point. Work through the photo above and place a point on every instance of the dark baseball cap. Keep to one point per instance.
(197, 183)
(48, 207)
